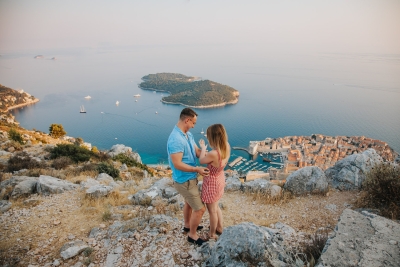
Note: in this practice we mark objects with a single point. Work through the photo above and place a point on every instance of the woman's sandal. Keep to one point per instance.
(215, 238)
(216, 231)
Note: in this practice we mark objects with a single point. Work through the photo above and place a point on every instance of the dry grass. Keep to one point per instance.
(304, 213)
(48, 229)
(115, 198)
(265, 198)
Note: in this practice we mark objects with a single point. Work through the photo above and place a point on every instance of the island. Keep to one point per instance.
(190, 91)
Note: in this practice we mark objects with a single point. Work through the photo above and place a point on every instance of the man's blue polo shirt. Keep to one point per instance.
(177, 142)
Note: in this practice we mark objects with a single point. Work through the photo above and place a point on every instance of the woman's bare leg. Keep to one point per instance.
(220, 224)
(213, 211)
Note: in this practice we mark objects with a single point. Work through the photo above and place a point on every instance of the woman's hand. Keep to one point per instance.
(202, 144)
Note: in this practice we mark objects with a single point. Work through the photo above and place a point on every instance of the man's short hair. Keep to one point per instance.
(187, 112)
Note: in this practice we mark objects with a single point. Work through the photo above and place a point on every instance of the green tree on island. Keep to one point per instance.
(57, 130)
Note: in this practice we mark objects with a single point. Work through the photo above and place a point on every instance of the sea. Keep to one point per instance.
(282, 93)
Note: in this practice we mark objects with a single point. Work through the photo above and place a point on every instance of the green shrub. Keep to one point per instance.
(56, 130)
(15, 136)
(108, 168)
(61, 163)
(130, 162)
(382, 190)
(106, 216)
(74, 152)
(95, 150)
(22, 160)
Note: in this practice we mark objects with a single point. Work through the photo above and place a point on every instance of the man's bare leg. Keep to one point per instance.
(187, 213)
(195, 221)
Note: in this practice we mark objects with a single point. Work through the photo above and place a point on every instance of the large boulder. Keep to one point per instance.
(49, 185)
(350, 172)
(362, 239)
(97, 191)
(246, 243)
(122, 149)
(25, 187)
(14, 180)
(307, 180)
(89, 183)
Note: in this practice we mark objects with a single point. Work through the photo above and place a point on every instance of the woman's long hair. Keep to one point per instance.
(218, 138)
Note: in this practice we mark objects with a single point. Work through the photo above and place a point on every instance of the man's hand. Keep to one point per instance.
(203, 171)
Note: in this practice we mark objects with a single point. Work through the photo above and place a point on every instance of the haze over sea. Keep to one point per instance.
(291, 82)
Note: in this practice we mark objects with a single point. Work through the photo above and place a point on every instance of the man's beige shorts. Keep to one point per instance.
(190, 192)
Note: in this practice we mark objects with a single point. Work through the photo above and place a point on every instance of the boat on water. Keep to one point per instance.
(88, 97)
(82, 109)
(156, 112)
(202, 132)
(117, 103)
(267, 160)
(136, 95)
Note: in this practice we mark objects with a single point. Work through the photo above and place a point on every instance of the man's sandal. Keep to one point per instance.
(198, 242)
(185, 229)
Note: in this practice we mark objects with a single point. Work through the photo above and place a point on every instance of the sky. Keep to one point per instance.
(340, 26)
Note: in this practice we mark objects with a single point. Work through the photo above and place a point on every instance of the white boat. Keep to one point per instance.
(136, 95)
(117, 103)
(88, 97)
(156, 112)
(135, 100)
(202, 132)
(82, 109)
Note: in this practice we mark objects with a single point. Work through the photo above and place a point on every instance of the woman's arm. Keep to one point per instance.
(205, 157)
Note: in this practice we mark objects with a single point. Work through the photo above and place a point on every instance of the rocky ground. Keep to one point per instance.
(35, 229)
(107, 228)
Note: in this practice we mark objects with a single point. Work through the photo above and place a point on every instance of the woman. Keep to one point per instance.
(214, 183)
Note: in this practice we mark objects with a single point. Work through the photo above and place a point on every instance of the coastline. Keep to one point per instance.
(23, 105)
(209, 106)
(235, 94)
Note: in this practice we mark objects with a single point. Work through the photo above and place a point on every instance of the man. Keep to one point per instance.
(182, 154)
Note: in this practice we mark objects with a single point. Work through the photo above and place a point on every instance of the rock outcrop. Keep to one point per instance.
(307, 180)
(122, 149)
(72, 249)
(264, 186)
(350, 172)
(244, 244)
(162, 188)
(362, 239)
(49, 185)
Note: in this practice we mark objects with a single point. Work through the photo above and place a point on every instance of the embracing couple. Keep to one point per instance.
(182, 155)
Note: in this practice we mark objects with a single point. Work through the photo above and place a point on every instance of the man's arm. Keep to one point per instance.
(198, 150)
(176, 159)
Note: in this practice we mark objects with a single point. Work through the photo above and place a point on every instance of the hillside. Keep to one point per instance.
(64, 205)
(10, 98)
(190, 92)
